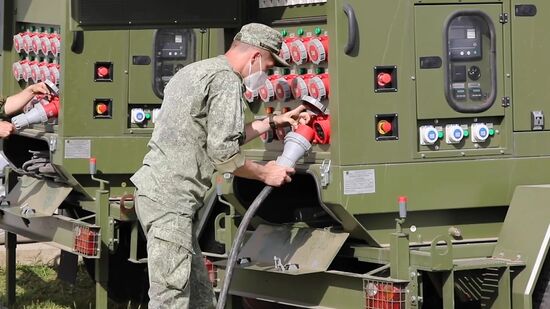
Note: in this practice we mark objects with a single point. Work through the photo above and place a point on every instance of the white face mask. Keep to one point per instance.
(254, 81)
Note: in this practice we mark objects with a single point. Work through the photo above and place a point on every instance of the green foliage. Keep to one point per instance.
(38, 288)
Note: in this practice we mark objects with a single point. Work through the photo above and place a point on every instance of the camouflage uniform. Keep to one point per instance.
(2, 111)
(199, 129)
(200, 125)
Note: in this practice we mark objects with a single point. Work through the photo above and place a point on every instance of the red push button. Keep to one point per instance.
(384, 127)
(384, 79)
(103, 72)
(101, 108)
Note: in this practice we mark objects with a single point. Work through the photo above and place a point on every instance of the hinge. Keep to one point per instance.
(503, 18)
(325, 173)
(505, 101)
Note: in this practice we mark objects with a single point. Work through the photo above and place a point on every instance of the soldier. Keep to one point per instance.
(199, 129)
(15, 103)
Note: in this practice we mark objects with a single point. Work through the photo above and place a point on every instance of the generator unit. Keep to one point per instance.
(426, 187)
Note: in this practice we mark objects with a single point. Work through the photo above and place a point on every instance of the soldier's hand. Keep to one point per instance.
(6, 129)
(276, 175)
(290, 118)
(39, 88)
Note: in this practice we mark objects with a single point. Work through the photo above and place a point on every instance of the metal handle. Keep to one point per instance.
(352, 29)
(78, 42)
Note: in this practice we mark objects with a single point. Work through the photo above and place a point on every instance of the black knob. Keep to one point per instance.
(474, 73)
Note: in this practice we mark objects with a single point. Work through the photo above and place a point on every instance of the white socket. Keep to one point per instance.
(480, 132)
(428, 135)
(453, 134)
(137, 115)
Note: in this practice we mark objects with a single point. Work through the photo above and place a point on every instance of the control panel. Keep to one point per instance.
(471, 73)
(174, 49)
(306, 49)
(38, 47)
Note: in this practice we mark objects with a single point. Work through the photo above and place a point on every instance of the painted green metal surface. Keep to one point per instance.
(465, 187)
(527, 219)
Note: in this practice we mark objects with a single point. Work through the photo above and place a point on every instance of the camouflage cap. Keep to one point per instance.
(263, 37)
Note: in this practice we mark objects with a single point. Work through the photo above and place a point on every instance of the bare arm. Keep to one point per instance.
(259, 127)
(271, 174)
(16, 102)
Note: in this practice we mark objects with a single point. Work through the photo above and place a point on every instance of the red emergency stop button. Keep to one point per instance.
(103, 72)
(101, 108)
(383, 79)
(384, 127)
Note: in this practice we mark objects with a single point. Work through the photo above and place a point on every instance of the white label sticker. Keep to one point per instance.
(471, 33)
(78, 149)
(178, 38)
(359, 182)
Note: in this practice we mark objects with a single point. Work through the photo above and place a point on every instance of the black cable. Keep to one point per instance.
(238, 242)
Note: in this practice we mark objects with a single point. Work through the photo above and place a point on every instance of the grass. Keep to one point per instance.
(37, 287)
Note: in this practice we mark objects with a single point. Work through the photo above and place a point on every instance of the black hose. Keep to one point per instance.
(238, 242)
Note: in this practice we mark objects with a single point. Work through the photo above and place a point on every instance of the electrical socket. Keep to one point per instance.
(537, 120)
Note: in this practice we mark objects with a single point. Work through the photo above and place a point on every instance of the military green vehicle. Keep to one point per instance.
(426, 188)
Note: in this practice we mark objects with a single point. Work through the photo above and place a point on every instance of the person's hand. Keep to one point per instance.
(291, 118)
(6, 129)
(276, 175)
(39, 88)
